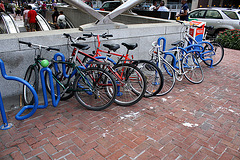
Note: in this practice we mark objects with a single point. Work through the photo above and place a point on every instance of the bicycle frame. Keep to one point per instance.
(99, 51)
(77, 51)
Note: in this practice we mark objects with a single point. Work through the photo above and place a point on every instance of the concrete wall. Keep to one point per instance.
(17, 57)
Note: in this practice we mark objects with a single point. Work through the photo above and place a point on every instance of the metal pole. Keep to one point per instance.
(5, 125)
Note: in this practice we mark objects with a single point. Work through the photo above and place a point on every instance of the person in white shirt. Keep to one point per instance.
(162, 7)
(153, 7)
(61, 21)
(25, 17)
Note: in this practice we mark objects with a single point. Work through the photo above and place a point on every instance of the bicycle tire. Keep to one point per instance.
(68, 94)
(32, 77)
(132, 87)
(95, 98)
(192, 69)
(153, 75)
(217, 56)
(168, 76)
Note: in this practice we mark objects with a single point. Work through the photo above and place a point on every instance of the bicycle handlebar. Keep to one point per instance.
(104, 35)
(39, 46)
(70, 37)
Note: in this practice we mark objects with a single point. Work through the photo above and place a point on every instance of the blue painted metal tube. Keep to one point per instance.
(55, 101)
(164, 42)
(34, 107)
(63, 64)
(3, 113)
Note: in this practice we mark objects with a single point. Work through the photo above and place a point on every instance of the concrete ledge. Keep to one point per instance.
(17, 57)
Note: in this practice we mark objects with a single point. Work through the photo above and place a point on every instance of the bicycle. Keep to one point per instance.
(131, 83)
(213, 52)
(32, 73)
(94, 88)
(152, 73)
(184, 61)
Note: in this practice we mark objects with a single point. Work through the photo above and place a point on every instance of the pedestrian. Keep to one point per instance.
(44, 9)
(184, 11)
(154, 6)
(55, 16)
(17, 12)
(25, 18)
(2, 8)
(32, 14)
(162, 7)
(61, 20)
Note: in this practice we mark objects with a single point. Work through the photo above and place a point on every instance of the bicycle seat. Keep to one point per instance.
(113, 47)
(80, 46)
(178, 43)
(130, 46)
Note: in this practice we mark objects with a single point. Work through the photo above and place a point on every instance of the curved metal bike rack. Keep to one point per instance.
(34, 107)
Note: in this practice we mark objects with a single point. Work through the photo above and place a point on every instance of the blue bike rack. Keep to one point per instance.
(34, 107)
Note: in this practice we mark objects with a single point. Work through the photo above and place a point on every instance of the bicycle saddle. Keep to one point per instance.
(178, 43)
(113, 47)
(130, 46)
(80, 46)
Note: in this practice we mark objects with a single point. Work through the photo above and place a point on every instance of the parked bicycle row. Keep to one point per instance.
(97, 80)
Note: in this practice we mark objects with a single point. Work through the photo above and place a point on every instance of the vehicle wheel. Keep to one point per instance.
(31, 77)
(168, 76)
(64, 81)
(153, 75)
(192, 69)
(95, 89)
(132, 87)
(216, 55)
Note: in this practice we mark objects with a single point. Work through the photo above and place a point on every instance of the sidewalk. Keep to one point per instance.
(194, 121)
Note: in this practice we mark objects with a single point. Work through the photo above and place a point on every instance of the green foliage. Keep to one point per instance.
(229, 38)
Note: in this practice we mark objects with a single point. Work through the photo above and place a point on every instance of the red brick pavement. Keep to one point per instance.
(192, 122)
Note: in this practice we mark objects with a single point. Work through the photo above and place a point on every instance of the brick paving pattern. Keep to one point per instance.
(194, 121)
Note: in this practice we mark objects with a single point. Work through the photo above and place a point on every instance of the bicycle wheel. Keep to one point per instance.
(95, 88)
(216, 55)
(168, 76)
(132, 86)
(192, 69)
(68, 85)
(153, 75)
(31, 77)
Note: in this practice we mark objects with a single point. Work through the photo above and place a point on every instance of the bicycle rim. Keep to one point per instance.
(31, 77)
(153, 76)
(192, 69)
(132, 87)
(95, 89)
(169, 78)
(64, 81)
(216, 55)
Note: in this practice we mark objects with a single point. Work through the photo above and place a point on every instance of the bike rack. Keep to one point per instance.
(55, 101)
(164, 43)
(34, 107)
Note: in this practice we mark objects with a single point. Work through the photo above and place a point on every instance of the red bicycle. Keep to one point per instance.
(131, 82)
(152, 73)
